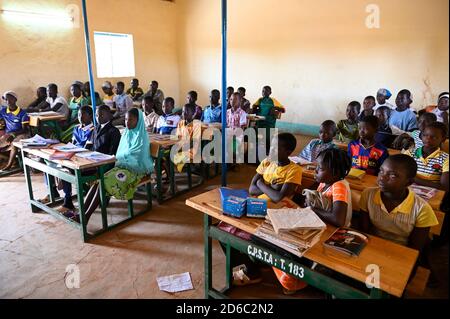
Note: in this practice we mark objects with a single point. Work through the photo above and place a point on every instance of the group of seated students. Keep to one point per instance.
(391, 210)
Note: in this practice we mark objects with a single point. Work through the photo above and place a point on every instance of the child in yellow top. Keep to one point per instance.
(277, 176)
(392, 211)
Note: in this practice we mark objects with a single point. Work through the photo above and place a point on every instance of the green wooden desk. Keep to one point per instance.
(51, 119)
(160, 151)
(77, 165)
(395, 262)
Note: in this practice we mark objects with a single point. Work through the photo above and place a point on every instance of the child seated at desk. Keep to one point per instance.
(78, 100)
(122, 103)
(348, 129)
(213, 112)
(108, 98)
(87, 91)
(316, 146)
(82, 134)
(366, 153)
(413, 140)
(189, 131)
(236, 124)
(132, 164)
(150, 116)
(16, 123)
(432, 162)
(277, 176)
(39, 103)
(55, 102)
(168, 121)
(392, 211)
(135, 92)
(383, 95)
(191, 99)
(269, 108)
(332, 168)
(384, 132)
(246, 106)
(403, 117)
(368, 106)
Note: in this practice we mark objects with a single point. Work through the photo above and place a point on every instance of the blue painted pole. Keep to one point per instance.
(224, 91)
(89, 60)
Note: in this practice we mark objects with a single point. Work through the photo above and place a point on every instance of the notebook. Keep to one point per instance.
(347, 241)
(288, 219)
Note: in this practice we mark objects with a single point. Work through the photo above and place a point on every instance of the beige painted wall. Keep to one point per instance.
(317, 55)
(33, 55)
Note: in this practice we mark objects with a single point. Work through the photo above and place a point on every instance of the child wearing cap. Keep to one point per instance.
(16, 123)
(383, 95)
(108, 98)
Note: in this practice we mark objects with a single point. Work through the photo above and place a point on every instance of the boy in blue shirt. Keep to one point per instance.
(82, 134)
(16, 127)
(316, 146)
(213, 112)
(168, 121)
(403, 117)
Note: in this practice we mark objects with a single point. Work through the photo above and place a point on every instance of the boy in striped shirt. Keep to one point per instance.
(432, 162)
(325, 141)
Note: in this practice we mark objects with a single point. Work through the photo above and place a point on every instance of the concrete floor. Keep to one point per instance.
(35, 250)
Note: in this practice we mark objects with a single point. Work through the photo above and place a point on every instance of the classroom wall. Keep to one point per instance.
(317, 55)
(33, 55)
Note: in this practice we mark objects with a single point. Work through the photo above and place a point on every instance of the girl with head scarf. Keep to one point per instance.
(133, 162)
(133, 158)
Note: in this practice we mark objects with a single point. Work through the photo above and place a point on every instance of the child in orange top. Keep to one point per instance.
(333, 166)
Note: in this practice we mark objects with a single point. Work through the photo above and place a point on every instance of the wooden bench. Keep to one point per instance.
(147, 182)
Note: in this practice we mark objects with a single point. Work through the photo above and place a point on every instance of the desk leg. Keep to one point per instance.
(378, 294)
(208, 254)
(228, 269)
(80, 196)
(27, 170)
(103, 200)
(51, 187)
(189, 175)
(159, 176)
(171, 176)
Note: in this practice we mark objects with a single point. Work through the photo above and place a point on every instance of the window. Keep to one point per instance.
(114, 55)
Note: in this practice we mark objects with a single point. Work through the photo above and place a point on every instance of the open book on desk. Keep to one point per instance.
(95, 156)
(288, 219)
(38, 141)
(47, 113)
(70, 148)
(300, 160)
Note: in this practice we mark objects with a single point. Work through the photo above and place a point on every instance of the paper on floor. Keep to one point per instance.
(175, 283)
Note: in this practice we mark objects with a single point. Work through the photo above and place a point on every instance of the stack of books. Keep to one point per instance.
(294, 230)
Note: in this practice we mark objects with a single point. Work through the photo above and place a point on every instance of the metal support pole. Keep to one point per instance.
(224, 90)
(89, 60)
